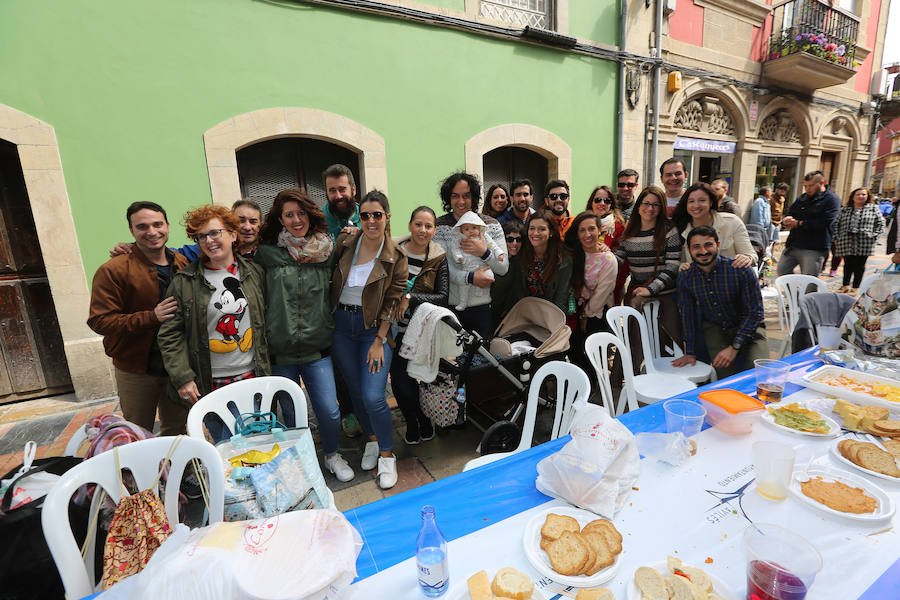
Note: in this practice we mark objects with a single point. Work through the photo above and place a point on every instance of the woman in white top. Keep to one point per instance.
(698, 206)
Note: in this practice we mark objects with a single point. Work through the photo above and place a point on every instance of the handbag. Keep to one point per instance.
(438, 400)
(27, 569)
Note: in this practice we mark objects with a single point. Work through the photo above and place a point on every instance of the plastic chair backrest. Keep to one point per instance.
(596, 346)
(864, 285)
(572, 390)
(790, 288)
(142, 459)
(242, 394)
(618, 317)
(651, 316)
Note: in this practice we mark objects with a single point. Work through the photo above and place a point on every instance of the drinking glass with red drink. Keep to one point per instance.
(781, 565)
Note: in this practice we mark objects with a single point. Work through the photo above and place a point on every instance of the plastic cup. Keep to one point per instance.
(781, 565)
(774, 466)
(684, 416)
(829, 337)
(771, 376)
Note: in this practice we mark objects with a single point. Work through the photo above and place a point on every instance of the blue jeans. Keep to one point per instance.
(318, 377)
(351, 345)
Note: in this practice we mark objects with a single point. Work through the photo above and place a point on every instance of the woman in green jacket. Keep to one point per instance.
(294, 251)
(217, 334)
(544, 262)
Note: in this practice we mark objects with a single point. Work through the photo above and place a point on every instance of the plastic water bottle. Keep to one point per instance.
(461, 395)
(431, 556)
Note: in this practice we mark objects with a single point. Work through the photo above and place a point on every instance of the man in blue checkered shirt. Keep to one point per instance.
(724, 304)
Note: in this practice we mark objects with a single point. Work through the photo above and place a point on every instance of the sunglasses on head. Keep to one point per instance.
(514, 239)
(599, 200)
(562, 196)
(375, 216)
(627, 184)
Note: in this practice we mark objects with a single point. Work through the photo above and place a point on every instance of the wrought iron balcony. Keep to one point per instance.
(812, 45)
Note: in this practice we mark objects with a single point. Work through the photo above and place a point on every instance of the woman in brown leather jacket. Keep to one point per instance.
(368, 282)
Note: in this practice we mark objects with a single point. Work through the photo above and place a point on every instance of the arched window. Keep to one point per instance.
(266, 168)
(509, 163)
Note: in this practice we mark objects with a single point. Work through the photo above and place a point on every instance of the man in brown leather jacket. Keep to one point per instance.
(128, 303)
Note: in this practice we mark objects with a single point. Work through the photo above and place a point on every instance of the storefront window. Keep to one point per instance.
(772, 170)
(707, 166)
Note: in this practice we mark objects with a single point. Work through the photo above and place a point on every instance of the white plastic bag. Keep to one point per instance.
(597, 468)
(302, 555)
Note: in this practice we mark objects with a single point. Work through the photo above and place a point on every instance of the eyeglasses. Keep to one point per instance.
(627, 184)
(599, 200)
(212, 234)
(375, 216)
(514, 239)
(563, 196)
(651, 205)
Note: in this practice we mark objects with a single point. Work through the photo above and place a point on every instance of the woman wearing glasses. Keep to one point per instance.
(496, 200)
(299, 324)
(651, 247)
(217, 335)
(369, 279)
(460, 193)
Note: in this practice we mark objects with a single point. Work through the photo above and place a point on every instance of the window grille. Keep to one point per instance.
(534, 13)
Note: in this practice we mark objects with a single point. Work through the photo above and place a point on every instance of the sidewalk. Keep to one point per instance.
(51, 421)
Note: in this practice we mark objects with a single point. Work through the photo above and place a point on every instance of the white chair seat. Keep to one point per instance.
(698, 372)
(486, 459)
(655, 387)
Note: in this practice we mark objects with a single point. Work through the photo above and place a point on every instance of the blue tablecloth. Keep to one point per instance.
(470, 501)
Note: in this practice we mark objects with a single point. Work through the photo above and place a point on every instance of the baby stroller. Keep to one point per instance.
(532, 333)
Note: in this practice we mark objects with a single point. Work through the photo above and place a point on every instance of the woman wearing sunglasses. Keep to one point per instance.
(369, 279)
(299, 324)
(602, 202)
(218, 334)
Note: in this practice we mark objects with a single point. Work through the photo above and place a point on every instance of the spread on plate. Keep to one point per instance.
(796, 417)
(879, 390)
(839, 496)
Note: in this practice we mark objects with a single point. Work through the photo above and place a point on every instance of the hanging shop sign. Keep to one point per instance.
(699, 145)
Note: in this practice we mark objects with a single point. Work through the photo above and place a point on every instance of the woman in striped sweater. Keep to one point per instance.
(651, 246)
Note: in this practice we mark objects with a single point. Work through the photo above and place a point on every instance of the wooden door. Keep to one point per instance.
(828, 168)
(32, 360)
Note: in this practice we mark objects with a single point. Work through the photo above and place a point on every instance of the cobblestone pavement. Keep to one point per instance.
(51, 421)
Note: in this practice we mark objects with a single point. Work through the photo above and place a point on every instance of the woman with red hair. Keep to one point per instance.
(217, 335)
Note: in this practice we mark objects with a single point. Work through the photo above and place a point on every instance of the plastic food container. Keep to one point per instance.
(731, 411)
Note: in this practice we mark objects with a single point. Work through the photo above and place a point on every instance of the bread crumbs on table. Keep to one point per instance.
(708, 560)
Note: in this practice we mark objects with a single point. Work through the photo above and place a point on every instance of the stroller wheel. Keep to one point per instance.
(502, 436)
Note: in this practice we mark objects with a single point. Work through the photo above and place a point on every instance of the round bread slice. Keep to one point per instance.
(698, 577)
(555, 525)
(651, 584)
(892, 446)
(887, 425)
(595, 594)
(876, 459)
(844, 447)
(606, 524)
(680, 588)
(609, 531)
(569, 554)
(603, 557)
(545, 543)
(512, 583)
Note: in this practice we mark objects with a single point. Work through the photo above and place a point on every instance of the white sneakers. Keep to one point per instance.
(387, 472)
(337, 465)
(370, 456)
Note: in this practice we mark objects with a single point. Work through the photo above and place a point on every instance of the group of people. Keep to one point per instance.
(324, 295)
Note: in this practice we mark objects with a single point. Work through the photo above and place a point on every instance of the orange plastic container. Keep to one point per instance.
(731, 411)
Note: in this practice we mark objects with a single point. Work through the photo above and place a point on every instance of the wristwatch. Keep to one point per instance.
(736, 346)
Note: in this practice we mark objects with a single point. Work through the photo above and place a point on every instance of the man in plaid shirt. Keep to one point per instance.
(724, 303)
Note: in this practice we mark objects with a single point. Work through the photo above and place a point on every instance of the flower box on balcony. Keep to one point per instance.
(804, 72)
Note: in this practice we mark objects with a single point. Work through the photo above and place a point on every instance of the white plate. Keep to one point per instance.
(885, 508)
(810, 380)
(540, 561)
(835, 429)
(719, 586)
(837, 453)
(460, 591)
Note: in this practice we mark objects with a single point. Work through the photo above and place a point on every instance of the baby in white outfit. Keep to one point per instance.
(470, 226)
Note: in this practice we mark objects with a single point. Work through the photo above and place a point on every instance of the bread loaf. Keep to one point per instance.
(512, 583)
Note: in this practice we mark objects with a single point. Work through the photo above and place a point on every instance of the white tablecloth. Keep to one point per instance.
(691, 512)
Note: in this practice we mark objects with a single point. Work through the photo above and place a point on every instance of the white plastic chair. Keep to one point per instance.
(143, 459)
(651, 386)
(242, 394)
(596, 346)
(790, 288)
(572, 391)
(864, 285)
(78, 436)
(698, 373)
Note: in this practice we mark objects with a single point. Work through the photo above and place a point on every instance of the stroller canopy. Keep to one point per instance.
(540, 319)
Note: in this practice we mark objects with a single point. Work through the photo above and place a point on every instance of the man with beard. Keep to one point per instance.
(556, 199)
(521, 194)
(626, 182)
(673, 174)
(341, 209)
(128, 304)
(724, 304)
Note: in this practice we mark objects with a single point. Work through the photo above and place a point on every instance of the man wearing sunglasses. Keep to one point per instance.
(521, 195)
(556, 199)
(128, 304)
(626, 182)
